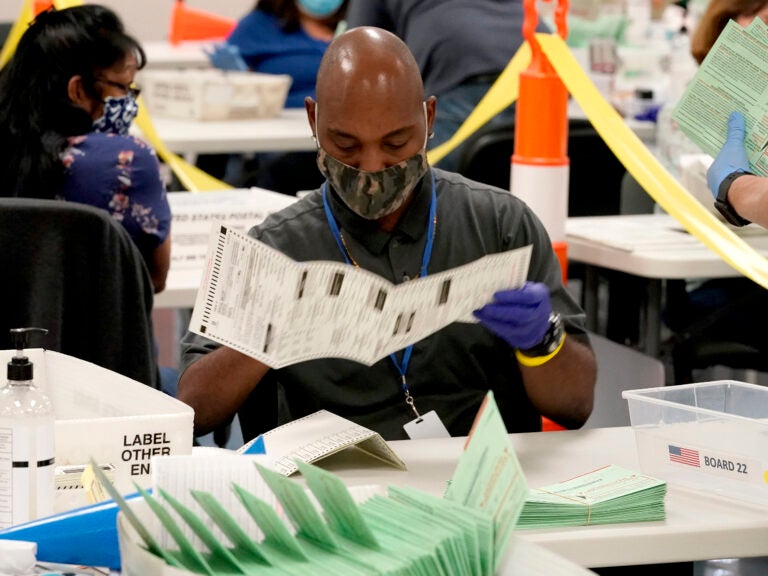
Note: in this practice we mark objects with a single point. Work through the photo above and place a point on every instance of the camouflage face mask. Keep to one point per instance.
(373, 195)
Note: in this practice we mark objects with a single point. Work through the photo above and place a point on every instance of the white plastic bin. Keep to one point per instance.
(107, 417)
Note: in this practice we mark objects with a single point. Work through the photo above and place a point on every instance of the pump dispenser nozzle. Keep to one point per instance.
(20, 368)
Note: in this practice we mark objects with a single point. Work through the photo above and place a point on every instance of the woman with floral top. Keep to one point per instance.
(67, 99)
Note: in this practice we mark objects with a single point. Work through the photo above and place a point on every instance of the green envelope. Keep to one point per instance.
(489, 477)
(608, 495)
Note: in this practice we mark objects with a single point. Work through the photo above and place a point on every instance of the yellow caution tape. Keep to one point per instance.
(644, 167)
(191, 177)
(627, 147)
(62, 4)
(500, 96)
(22, 23)
(26, 16)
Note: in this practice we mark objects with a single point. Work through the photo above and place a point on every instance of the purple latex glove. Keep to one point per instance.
(519, 317)
(732, 157)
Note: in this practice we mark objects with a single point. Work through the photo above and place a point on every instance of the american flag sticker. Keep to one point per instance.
(684, 456)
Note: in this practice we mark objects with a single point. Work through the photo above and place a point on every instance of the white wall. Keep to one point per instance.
(147, 19)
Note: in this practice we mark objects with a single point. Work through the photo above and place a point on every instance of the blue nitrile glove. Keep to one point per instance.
(732, 156)
(519, 317)
(226, 57)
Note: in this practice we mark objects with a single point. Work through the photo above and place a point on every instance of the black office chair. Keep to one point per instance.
(70, 268)
(595, 172)
(727, 331)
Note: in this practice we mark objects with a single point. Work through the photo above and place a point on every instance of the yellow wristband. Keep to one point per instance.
(533, 361)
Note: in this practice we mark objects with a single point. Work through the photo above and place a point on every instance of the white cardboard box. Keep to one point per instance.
(214, 94)
(108, 417)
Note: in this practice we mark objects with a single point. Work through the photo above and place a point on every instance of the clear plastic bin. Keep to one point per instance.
(709, 435)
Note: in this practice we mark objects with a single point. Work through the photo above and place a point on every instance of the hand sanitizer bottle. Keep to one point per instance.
(26, 441)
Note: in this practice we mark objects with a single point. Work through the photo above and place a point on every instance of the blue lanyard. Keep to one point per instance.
(402, 365)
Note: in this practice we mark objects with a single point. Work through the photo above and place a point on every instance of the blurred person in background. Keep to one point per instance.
(727, 309)
(288, 37)
(716, 16)
(67, 100)
(282, 37)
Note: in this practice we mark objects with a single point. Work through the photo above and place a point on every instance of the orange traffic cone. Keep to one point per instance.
(193, 24)
(42, 6)
(548, 425)
(540, 165)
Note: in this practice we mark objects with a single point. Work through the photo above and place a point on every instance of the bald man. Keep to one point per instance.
(383, 209)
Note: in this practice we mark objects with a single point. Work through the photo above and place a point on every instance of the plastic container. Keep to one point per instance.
(602, 62)
(711, 436)
(643, 106)
(27, 441)
(213, 94)
(672, 145)
(692, 173)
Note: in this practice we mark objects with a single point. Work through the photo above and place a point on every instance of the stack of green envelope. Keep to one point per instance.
(405, 533)
(609, 495)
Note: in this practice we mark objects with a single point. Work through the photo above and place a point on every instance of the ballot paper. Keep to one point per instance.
(608, 495)
(733, 76)
(319, 435)
(184, 476)
(257, 300)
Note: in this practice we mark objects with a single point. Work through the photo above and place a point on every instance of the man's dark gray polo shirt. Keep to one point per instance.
(450, 371)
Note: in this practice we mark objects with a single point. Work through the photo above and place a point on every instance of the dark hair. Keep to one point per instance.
(714, 20)
(36, 114)
(287, 13)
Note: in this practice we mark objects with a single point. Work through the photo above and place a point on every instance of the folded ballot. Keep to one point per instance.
(316, 436)
(608, 495)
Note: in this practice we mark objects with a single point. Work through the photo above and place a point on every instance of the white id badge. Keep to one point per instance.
(428, 426)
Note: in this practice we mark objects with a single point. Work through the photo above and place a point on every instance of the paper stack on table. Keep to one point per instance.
(609, 495)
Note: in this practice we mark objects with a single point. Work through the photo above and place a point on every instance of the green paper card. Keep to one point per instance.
(489, 477)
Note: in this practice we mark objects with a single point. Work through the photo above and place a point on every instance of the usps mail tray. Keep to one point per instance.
(710, 435)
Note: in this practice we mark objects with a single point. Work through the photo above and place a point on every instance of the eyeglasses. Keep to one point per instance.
(131, 89)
